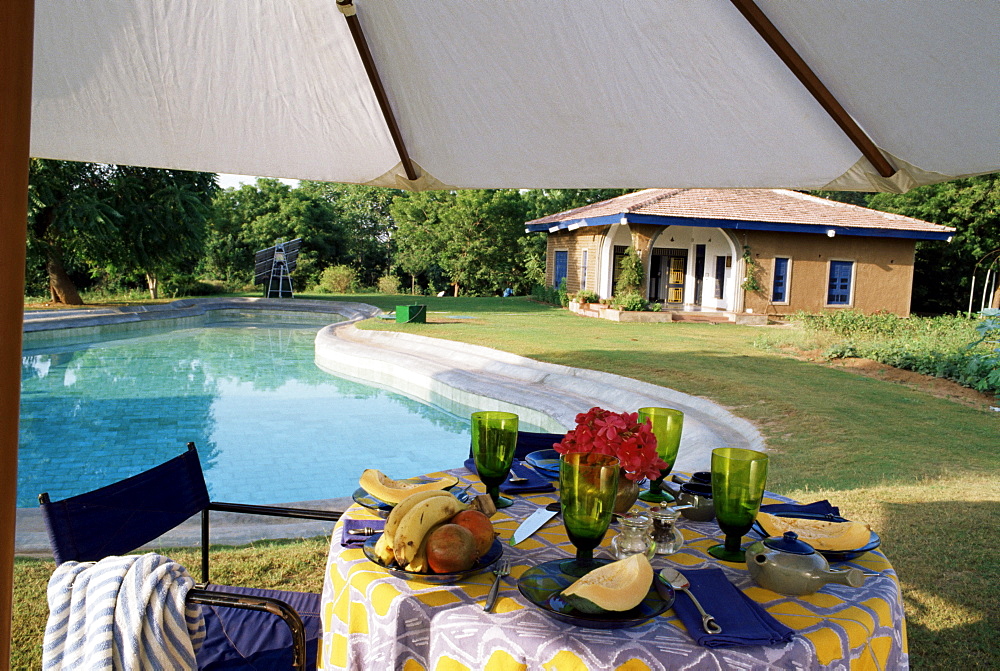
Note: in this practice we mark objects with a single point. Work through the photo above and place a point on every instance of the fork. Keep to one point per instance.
(363, 531)
(502, 569)
(515, 479)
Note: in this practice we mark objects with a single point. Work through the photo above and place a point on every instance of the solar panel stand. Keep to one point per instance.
(273, 267)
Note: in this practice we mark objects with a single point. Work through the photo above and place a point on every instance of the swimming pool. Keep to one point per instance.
(270, 426)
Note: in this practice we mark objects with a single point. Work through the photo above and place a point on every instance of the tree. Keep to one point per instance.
(943, 270)
(472, 235)
(68, 219)
(363, 214)
(161, 223)
(255, 217)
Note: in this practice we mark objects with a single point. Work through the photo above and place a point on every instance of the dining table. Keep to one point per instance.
(375, 620)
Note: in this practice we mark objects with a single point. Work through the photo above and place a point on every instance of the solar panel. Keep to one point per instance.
(273, 265)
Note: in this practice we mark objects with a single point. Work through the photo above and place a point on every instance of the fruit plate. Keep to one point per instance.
(545, 462)
(482, 564)
(542, 585)
(831, 555)
(363, 498)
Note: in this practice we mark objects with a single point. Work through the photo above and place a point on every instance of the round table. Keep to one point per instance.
(372, 620)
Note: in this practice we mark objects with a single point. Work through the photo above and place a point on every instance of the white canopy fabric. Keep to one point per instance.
(588, 93)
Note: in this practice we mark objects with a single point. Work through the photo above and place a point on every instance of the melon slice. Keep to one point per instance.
(384, 488)
(618, 586)
(821, 534)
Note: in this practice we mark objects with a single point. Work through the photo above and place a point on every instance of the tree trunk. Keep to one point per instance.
(153, 285)
(61, 287)
(456, 289)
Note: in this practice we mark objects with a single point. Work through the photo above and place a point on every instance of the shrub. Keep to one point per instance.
(587, 296)
(337, 279)
(388, 284)
(631, 301)
(630, 273)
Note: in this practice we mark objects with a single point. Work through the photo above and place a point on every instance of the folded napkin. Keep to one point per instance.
(535, 481)
(351, 539)
(743, 620)
(815, 508)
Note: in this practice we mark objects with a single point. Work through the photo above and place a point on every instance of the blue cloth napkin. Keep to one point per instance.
(743, 620)
(536, 483)
(815, 508)
(352, 540)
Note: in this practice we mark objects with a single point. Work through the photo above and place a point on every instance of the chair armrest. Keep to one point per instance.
(261, 603)
(276, 511)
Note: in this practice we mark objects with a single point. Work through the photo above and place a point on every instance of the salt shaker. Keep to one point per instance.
(665, 534)
(634, 537)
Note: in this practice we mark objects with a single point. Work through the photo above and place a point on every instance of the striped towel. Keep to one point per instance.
(122, 613)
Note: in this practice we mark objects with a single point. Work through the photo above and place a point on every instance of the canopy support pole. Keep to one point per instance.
(350, 13)
(17, 27)
(756, 18)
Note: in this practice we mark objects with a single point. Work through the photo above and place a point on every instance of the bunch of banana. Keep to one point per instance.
(409, 523)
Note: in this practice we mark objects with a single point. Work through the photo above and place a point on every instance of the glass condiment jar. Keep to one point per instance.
(633, 537)
(665, 534)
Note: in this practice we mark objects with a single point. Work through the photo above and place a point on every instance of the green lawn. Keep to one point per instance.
(919, 469)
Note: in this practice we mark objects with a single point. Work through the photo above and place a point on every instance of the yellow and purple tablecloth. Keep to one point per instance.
(372, 620)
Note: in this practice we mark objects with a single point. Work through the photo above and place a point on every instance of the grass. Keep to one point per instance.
(919, 469)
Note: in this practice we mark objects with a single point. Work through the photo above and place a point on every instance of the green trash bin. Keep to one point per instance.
(411, 314)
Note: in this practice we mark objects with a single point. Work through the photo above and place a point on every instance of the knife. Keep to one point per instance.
(534, 522)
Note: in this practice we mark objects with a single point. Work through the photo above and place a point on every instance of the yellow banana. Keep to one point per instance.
(383, 549)
(406, 505)
(419, 521)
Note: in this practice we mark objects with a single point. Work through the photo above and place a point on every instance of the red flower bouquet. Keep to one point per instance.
(620, 435)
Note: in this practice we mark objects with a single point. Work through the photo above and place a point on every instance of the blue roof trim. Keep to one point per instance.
(785, 228)
(606, 220)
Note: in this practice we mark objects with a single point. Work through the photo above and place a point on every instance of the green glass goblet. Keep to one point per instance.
(588, 486)
(494, 439)
(738, 478)
(667, 425)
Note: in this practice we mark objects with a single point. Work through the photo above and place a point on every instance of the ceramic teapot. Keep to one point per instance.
(789, 566)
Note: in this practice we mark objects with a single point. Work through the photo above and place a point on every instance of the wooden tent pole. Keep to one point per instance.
(784, 50)
(17, 25)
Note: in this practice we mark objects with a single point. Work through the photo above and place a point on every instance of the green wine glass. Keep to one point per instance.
(588, 486)
(667, 425)
(738, 478)
(494, 440)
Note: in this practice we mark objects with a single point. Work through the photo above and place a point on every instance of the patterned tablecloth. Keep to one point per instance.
(372, 620)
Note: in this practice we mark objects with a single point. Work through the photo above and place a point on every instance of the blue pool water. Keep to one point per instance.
(269, 425)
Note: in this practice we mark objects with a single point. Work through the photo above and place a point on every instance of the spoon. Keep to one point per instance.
(678, 581)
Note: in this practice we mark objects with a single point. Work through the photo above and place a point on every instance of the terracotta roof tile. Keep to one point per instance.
(763, 205)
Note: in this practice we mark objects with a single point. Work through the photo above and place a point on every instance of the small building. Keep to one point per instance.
(763, 251)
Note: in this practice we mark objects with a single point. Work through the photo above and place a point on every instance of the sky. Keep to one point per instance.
(227, 181)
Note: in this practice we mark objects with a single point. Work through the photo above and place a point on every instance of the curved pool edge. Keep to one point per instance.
(548, 395)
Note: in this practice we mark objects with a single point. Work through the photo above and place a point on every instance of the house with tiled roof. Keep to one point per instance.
(739, 251)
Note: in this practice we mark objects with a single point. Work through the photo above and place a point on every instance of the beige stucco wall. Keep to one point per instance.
(883, 271)
(574, 242)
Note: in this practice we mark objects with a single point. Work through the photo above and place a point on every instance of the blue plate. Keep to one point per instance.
(831, 555)
(363, 498)
(543, 584)
(545, 462)
(484, 563)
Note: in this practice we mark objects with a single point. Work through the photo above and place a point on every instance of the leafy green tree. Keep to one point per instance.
(161, 224)
(943, 270)
(472, 235)
(255, 217)
(68, 219)
(363, 213)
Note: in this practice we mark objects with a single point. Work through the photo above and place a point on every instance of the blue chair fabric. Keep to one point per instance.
(118, 518)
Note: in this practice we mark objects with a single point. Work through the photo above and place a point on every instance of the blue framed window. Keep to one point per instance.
(562, 263)
(779, 287)
(839, 291)
(720, 276)
(583, 269)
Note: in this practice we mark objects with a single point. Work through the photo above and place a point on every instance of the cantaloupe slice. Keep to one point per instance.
(384, 488)
(618, 586)
(821, 534)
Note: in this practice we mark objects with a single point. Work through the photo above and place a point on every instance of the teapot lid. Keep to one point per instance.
(789, 543)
